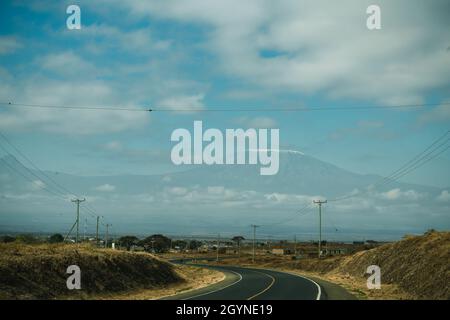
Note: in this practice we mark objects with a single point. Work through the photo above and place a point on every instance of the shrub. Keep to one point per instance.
(56, 238)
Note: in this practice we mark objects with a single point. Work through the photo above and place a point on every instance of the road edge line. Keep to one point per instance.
(319, 288)
(217, 290)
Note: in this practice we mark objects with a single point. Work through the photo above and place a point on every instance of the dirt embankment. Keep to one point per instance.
(419, 265)
(39, 272)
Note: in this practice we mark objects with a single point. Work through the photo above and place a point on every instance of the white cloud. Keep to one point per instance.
(105, 188)
(278, 150)
(370, 124)
(66, 63)
(216, 190)
(177, 191)
(103, 37)
(444, 196)
(257, 122)
(184, 102)
(113, 146)
(321, 46)
(9, 44)
(37, 185)
(440, 113)
(368, 128)
(81, 93)
(396, 194)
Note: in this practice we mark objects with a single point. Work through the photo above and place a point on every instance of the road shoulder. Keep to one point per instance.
(230, 278)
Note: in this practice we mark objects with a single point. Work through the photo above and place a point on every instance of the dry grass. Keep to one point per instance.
(39, 272)
(195, 278)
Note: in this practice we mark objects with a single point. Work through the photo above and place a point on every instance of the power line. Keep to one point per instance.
(61, 189)
(302, 211)
(297, 109)
(12, 104)
(17, 171)
(418, 161)
(57, 190)
(59, 186)
(228, 109)
(416, 157)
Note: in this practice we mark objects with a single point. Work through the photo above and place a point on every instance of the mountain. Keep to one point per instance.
(204, 198)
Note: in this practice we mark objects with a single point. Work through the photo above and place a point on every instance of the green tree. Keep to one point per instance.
(181, 244)
(6, 239)
(128, 241)
(56, 238)
(27, 238)
(238, 240)
(156, 243)
(194, 244)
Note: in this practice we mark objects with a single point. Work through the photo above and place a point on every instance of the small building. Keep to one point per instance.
(282, 251)
(335, 251)
(137, 248)
(231, 251)
(222, 250)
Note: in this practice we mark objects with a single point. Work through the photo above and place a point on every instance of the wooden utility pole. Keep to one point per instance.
(78, 201)
(254, 240)
(320, 202)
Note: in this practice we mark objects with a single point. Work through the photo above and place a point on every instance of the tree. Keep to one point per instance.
(6, 239)
(156, 243)
(181, 244)
(26, 238)
(194, 244)
(238, 240)
(56, 238)
(128, 241)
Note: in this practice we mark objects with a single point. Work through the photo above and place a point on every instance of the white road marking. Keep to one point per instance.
(232, 284)
(270, 285)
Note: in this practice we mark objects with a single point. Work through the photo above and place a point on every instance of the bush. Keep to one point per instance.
(26, 238)
(156, 243)
(56, 238)
(128, 241)
(6, 239)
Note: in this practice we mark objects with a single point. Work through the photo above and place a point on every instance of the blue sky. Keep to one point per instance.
(163, 54)
(211, 54)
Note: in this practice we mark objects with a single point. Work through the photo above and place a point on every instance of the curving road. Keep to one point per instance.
(256, 284)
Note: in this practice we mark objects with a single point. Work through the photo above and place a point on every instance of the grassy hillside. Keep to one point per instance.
(39, 271)
(418, 265)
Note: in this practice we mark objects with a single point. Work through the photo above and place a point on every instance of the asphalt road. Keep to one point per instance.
(256, 284)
